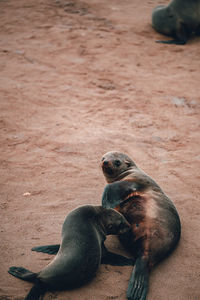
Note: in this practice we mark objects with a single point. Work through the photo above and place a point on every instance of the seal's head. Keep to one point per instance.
(116, 165)
(164, 20)
(113, 221)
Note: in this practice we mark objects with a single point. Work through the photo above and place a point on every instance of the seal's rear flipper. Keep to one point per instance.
(36, 292)
(138, 283)
(50, 249)
(22, 273)
(172, 42)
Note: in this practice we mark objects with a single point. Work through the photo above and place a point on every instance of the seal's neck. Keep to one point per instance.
(102, 231)
(121, 175)
(99, 224)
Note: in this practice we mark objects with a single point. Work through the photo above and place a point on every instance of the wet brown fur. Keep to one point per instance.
(148, 211)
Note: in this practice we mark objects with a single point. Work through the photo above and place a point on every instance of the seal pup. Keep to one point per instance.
(180, 19)
(83, 234)
(153, 217)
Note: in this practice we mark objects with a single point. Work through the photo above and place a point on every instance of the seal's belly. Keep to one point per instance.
(150, 233)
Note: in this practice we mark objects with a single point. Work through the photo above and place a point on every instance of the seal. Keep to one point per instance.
(180, 19)
(155, 223)
(82, 249)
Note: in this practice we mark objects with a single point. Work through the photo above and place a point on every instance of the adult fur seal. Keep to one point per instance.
(83, 234)
(154, 219)
(179, 19)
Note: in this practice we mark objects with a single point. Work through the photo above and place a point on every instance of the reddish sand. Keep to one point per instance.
(79, 79)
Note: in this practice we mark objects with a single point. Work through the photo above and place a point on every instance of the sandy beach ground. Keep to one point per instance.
(78, 79)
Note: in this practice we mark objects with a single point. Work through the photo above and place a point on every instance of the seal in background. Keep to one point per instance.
(180, 19)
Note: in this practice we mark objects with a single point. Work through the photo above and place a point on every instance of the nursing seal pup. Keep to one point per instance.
(155, 224)
(180, 19)
(80, 253)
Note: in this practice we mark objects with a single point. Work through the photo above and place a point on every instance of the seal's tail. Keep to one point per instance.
(37, 292)
(138, 283)
(22, 273)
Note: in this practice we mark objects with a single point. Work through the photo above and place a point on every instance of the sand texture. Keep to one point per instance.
(78, 79)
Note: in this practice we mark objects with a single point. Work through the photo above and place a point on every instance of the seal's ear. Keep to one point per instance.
(169, 14)
(128, 163)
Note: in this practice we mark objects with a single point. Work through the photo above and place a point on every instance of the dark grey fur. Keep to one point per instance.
(80, 253)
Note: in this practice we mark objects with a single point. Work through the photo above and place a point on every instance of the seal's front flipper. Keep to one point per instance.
(37, 292)
(114, 259)
(50, 249)
(172, 42)
(138, 283)
(181, 35)
(22, 273)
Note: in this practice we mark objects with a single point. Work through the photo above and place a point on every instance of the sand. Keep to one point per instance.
(79, 79)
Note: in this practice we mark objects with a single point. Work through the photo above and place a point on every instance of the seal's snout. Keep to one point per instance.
(107, 167)
(105, 163)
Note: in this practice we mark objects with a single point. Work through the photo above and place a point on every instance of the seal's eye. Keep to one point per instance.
(103, 158)
(117, 163)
